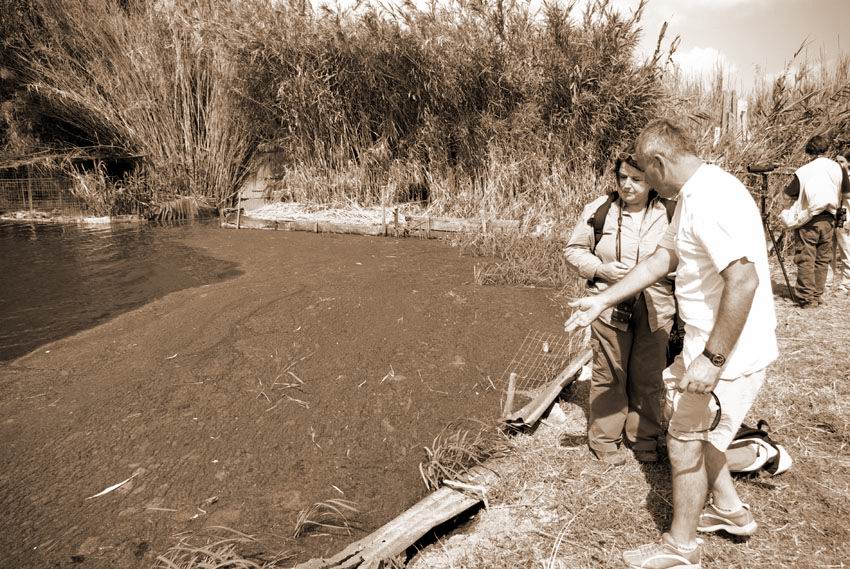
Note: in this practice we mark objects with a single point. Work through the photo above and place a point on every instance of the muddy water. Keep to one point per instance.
(320, 372)
(60, 279)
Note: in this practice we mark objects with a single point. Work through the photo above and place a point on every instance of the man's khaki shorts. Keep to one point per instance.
(691, 415)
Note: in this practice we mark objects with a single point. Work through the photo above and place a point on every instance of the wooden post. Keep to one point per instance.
(743, 108)
(395, 221)
(238, 208)
(509, 398)
(384, 210)
(483, 215)
(29, 186)
(733, 113)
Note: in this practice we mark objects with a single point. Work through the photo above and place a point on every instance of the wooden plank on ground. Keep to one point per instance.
(458, 225)
(534, 409)
(405, 530)
(424, 225)
(313, 226)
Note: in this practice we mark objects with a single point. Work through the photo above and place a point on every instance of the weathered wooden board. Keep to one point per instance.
(413, 225)
(534, 409)
(396, 536)
(451, 225)
(312, 226)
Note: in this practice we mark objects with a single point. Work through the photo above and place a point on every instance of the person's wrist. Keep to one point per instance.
(716, 359)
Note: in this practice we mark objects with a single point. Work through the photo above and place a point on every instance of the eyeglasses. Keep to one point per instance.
(626, 158)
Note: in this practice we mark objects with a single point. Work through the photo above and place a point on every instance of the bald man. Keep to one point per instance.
(716, 246)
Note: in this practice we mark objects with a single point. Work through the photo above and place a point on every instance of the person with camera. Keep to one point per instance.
(716, 245)
(819, 186)
(629, 340)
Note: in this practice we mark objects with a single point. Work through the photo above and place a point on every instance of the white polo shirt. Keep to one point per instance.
(820, 179)
(716, 223)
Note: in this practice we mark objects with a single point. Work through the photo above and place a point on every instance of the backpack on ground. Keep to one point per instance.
(769, 457)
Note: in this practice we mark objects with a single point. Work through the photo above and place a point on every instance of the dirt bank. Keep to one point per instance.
(200, 395)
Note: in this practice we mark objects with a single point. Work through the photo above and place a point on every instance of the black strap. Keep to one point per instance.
(823, 216)
(597, 220)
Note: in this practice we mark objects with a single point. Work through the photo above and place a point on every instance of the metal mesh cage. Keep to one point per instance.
(50, 195)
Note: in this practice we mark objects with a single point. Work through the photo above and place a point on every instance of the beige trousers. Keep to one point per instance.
(626, 388)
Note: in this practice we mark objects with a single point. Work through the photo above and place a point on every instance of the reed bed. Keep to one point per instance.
(479, 106)
(149, 85)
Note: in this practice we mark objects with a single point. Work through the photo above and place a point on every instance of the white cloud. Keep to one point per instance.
(703, 62)
(726, 3)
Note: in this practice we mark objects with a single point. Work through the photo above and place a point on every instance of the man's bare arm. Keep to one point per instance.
(647, 272)
(740, 282)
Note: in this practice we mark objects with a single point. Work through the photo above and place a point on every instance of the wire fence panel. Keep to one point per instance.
(49, 195)
(540, 358)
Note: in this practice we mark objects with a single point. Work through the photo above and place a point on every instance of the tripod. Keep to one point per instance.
(764, 172)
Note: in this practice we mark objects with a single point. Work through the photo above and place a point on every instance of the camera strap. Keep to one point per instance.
(597, 220)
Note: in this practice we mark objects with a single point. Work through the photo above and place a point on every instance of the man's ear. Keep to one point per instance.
(660, 163)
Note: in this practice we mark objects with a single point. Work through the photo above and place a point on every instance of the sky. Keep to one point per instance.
(750, 37)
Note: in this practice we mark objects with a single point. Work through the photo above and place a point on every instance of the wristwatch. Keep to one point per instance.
(718, 360)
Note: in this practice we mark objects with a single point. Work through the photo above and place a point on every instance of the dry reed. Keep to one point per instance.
(222, 549)
(327, 515)
(458, 447)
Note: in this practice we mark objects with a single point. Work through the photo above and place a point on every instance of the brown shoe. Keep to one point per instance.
(614, 457)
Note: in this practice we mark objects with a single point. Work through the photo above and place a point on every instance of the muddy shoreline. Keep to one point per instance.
(319, 373)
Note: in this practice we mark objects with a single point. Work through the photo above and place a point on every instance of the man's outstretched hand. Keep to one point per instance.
(587, 310)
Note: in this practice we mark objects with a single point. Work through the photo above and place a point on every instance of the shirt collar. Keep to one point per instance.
(692, 185)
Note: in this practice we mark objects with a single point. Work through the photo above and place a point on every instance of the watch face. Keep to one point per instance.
(718, 360)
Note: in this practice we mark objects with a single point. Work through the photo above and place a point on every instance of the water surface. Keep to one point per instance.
(56, 280)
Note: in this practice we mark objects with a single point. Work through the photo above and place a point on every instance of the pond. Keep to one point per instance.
(58, 279)
(238, 377)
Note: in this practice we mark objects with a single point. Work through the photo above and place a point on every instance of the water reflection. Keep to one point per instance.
(56, 280)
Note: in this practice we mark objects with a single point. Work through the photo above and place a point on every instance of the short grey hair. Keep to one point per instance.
(666, 138)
